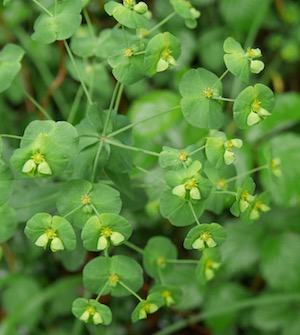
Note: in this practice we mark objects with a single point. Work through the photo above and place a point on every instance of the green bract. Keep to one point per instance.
(161, 53)
(106, 274)
(205, 236)
(184, 9)
(148, 306)
(10, 58)
(208, 265)
(157, 252)
(126, 15)
(184, 198)
(253, 105)
(80, 200)
(46, 148)
(90, 310)
(57, 232)
(237, 60)
(200, 89)
(101, 231)
(172, 295)
(219, 151)
(59, 24)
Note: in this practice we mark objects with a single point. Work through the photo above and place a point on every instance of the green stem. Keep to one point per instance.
(121, 130)
(195, 151)
(55, 8)
(220, 78)
(134, 247)
(275, 299)
(95, 209)
(75, 105)
(11, 136)
(161, 23)
(37, 105)
(77, 72)
(102, 290)
(225, 192)
(72, 211)
(119, 96)
(262, 167)
(224, 99)
(194, 214)
(160, 275)
(128, 147)
(130, 290)
(149, 173)
(182, 261)
(43, 8)
(139, 53)
(110, 109)
(89, 23)
(96, 161)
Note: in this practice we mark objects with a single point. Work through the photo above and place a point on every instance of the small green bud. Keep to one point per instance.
(29, 166)
(256, 66)
(195, 13)
(168, 298)
(195, 193)
(142, 314)
(243, 205)
(179, 190)
(102, 243)
(56, 244)
(116, 238)
(97, 319)
(254, 214)
(141, 8)
(253, 118)
(85, 316)
(229, 157)
(42, 241)
(263, 112)
(161, 65)
(275, 163)
(44, 168)
(87, 209)
(198, 244)
(211, 243)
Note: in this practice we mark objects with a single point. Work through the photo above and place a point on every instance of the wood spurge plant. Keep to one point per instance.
(149, 150)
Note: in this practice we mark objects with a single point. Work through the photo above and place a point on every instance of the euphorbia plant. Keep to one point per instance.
(100, 181)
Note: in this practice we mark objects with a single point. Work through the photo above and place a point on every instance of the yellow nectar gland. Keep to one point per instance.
(85, 199)
(244, 195)
(256, 105)
(190, 184)
(208, 92)
(50, 234)
(91, 310)
(205, 236)
(183, 156)
(128, 52)
(38, 158)
(160, 261)
(106, 232)
(221, 184)
(113, 279)
(166, 294)
(128, 3)
(251, 53)
(166, 54)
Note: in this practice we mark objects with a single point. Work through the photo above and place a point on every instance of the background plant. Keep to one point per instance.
(147, 167)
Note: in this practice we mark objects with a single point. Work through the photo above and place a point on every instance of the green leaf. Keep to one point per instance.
(61, 25)
(198, 105)
(215, 149)
(251, 100)
(162, 47)
(8, 223)
(81, 308)
(223, 295)
(279, 264)
(125, 16)
(10, 58)
(104, 225)
(109, 271)
(83, 43)
(235, 59)
(6, 182)
(205, 236)
(79, 198)
(157, 252)
(235, 259)
(285, 189)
